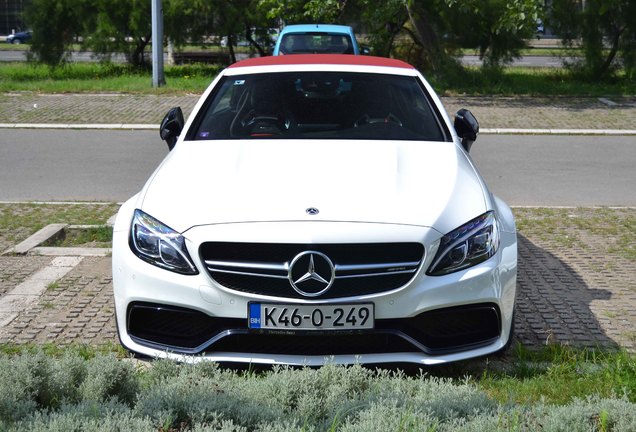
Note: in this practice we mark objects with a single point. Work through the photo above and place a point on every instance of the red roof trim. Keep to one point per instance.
(330, 59)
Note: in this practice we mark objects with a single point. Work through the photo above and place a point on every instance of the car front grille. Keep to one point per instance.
(359, 269)
(437, 332)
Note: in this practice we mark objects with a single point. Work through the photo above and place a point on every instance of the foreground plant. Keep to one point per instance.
(90, 391)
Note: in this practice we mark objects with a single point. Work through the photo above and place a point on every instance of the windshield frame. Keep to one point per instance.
(438, 118)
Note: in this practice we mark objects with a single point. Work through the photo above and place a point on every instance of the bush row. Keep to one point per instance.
(42, 393)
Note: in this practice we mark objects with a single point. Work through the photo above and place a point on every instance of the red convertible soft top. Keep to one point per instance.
(334, 59)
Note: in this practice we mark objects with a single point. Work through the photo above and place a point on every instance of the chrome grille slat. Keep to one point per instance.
(254, 265)
(236, 272)
(362, 275)
(259, 269)
(355, 267)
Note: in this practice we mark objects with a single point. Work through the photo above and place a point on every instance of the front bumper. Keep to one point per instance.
(429, 320)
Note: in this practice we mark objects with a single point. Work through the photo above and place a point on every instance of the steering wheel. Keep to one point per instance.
(264, 125)
(367, 120)
(251, 120)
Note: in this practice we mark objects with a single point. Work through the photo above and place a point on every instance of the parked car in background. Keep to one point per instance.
(20, 37)
(316, 39)
(312, 209)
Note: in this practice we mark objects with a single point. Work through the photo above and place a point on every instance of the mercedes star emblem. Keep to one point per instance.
(311, 273)
(312, 211)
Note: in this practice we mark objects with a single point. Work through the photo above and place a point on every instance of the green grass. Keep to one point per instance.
(95, 77)
(13, 47)
(529, 81)
(55, 351)
(558, 375)
(95, 236)
(19, 221)
(33, 216)
(87, 77)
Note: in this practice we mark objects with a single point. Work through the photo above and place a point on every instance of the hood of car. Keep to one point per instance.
(429, 184)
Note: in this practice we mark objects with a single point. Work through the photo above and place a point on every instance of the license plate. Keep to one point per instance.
(311, 317)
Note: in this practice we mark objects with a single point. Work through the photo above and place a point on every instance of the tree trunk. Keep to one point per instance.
(613, 51)
(230, 45)
(425, 35)
(250, 39)
(137, 58)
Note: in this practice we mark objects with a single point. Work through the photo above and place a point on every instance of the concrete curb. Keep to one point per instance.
(125, 126)
(70, 251)
(485, 131)
(502, 131)
(33, 244)
(46, 233)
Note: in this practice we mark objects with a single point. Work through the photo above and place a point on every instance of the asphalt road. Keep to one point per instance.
(525, 61)
(69, 165)
(525, 170)
(556, 170)
(82, 57)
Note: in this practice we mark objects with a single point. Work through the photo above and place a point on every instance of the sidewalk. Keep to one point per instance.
(148, 110)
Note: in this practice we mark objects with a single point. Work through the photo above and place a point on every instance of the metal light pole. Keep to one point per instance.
(158, 78)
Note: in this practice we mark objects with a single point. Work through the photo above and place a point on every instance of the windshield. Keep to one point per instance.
(316, 43)
(318, 105)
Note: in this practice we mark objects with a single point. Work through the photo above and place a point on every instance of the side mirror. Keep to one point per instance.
(171, 126)
(467, 128)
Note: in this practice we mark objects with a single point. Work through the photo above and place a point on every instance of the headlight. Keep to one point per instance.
(159, 245)
(466, 246)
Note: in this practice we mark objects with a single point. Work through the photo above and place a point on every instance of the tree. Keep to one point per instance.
(54, 24)
(605, 29)
(103, 26)
(187, 21)
(303, 11)
(432, 30)
(429, 23)
(383, 22)
(499, 29)
(195, 21)
(117, 26)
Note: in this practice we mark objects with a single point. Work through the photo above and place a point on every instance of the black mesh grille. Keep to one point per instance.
(450, 328)
(339, 254)
(172, 326)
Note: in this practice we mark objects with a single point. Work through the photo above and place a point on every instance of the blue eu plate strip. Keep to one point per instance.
(255, 315)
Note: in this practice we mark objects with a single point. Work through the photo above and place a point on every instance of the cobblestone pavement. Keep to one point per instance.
(573, 287)
(547, 113)
(492, 112)
(76, 309)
